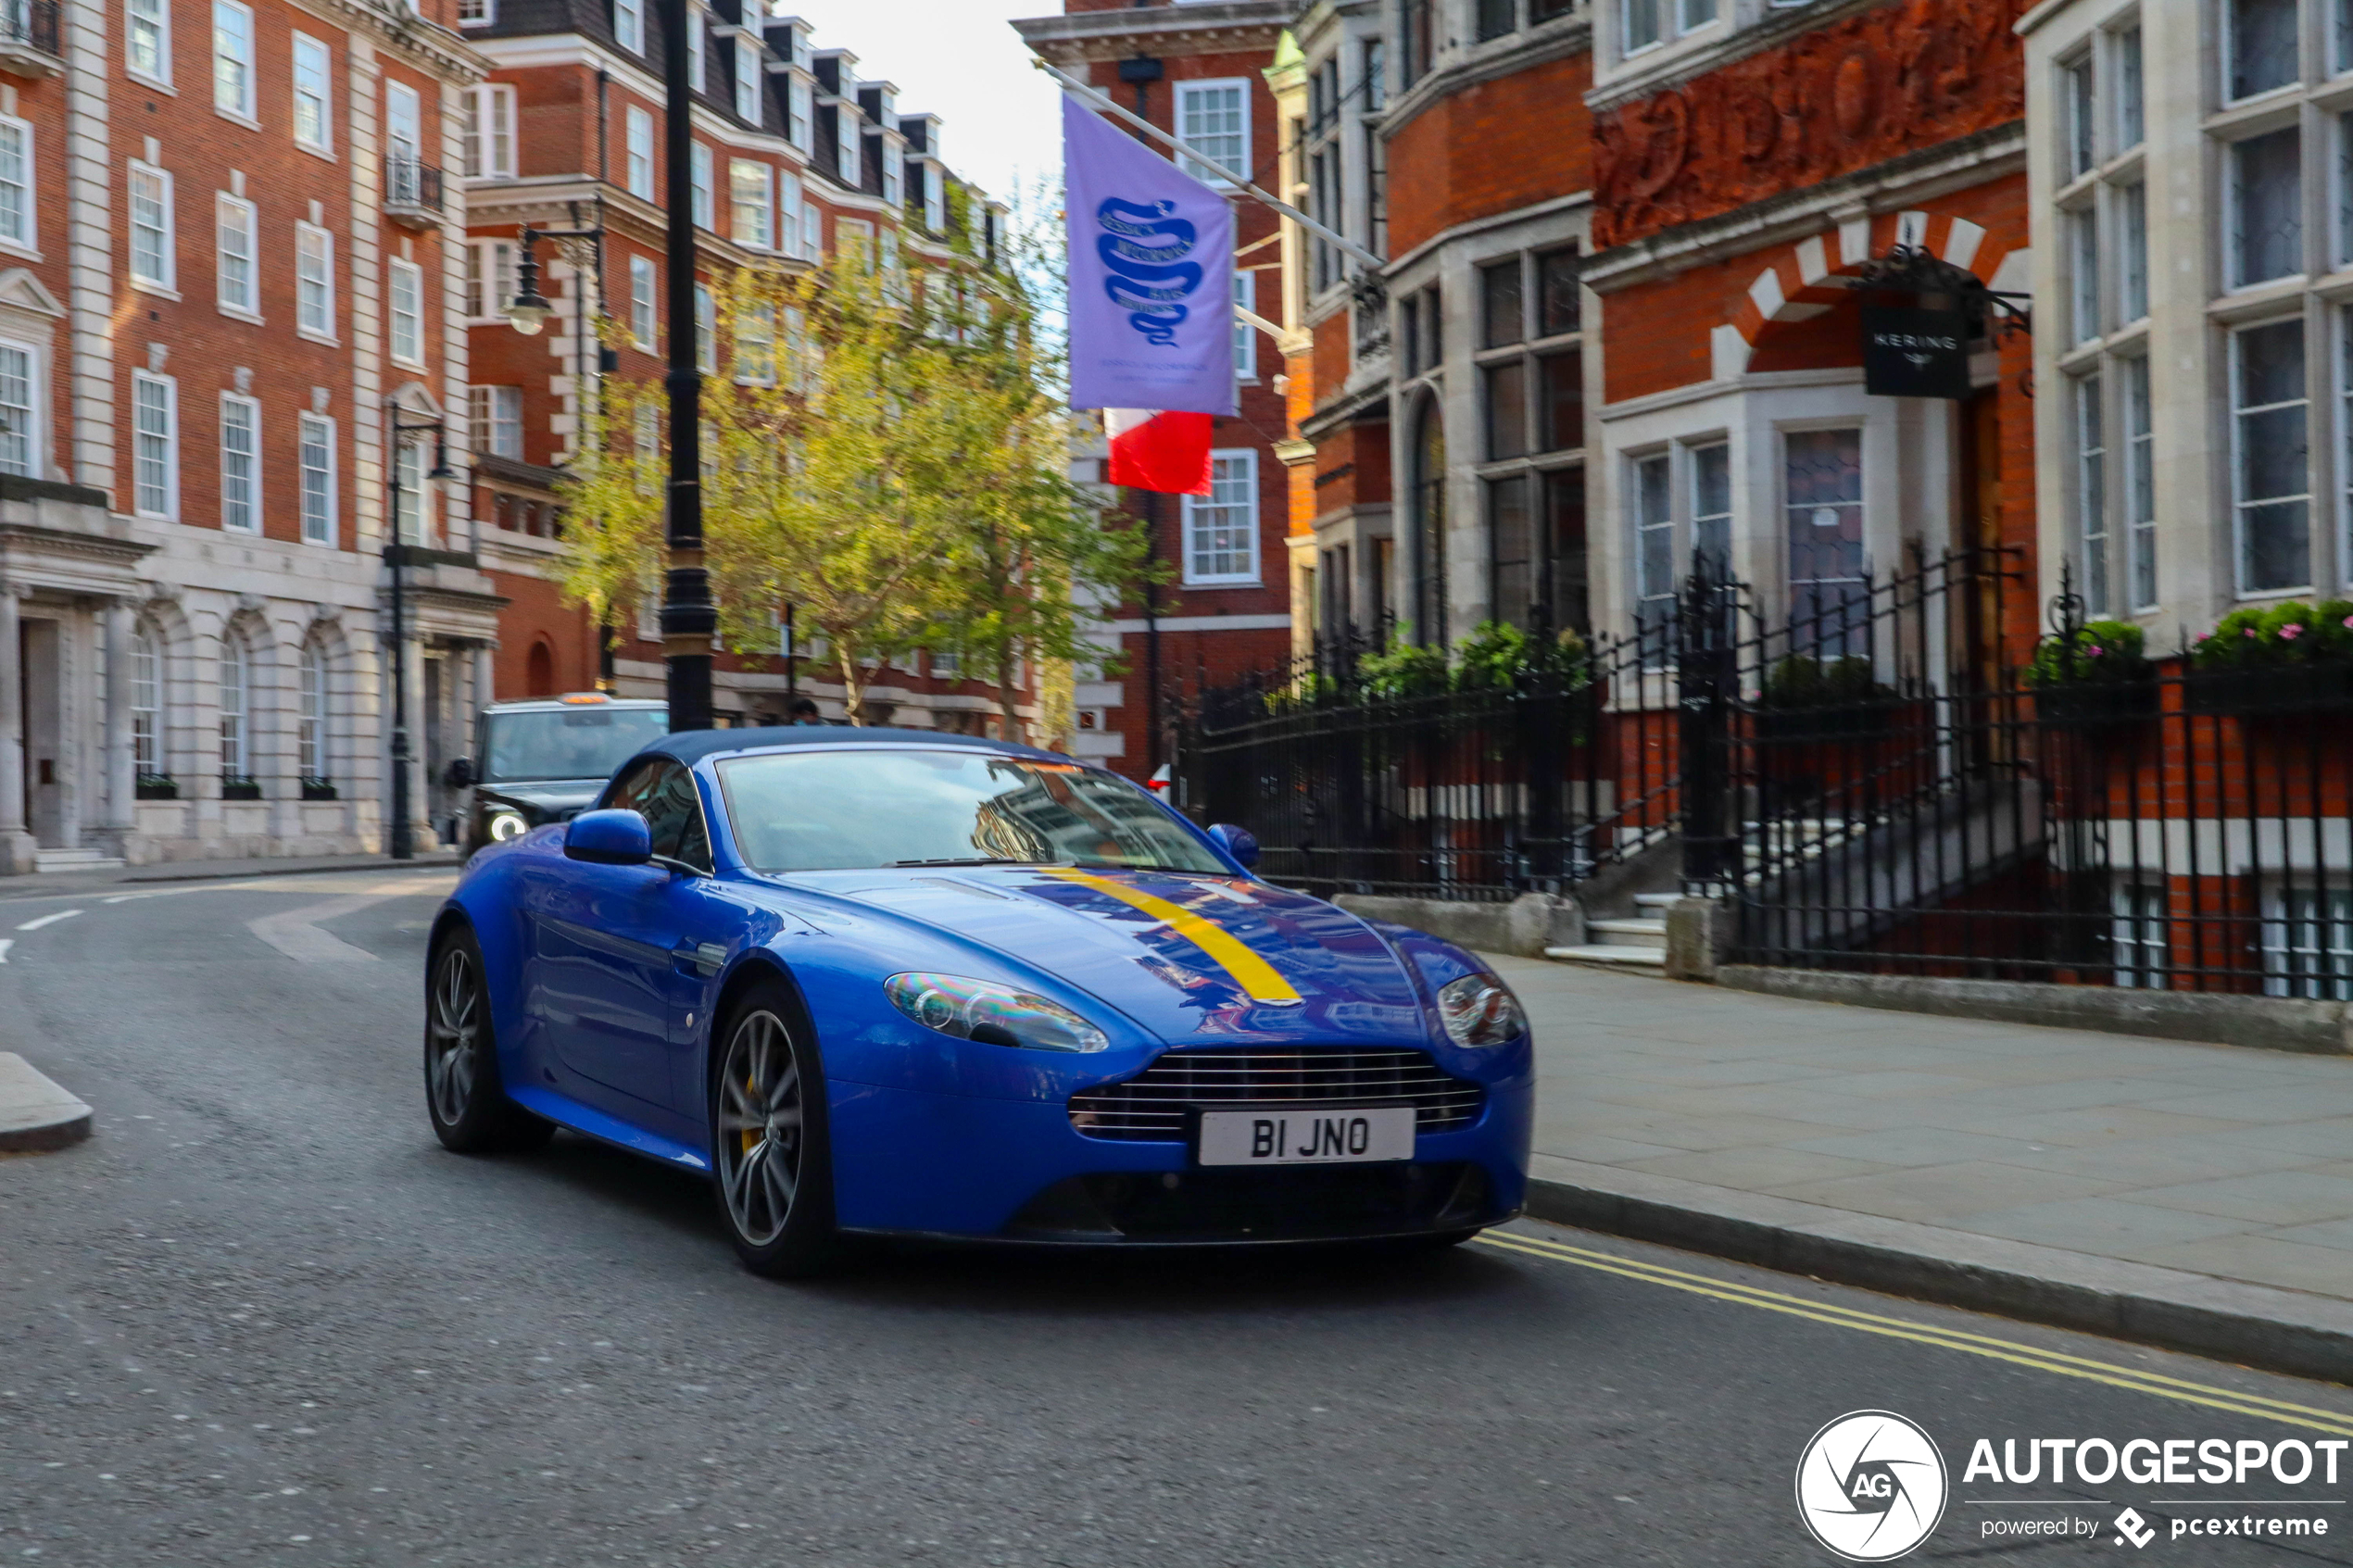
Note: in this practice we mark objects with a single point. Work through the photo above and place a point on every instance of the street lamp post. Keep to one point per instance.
(688, 618)
(404, 846)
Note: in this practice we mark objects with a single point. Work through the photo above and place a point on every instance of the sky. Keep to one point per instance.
(957, 59)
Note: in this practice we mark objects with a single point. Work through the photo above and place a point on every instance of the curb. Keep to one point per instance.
(68, 884)
(2287, 1331)
(36, 1115)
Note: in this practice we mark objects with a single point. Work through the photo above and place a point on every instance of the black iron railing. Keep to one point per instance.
(33, 22)
(410, 185)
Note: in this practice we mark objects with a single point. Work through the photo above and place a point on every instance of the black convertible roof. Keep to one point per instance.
(692, 746)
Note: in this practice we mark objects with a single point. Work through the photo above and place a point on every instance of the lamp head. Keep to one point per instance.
(529, 312)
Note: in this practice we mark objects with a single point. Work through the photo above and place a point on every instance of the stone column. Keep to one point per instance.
(16, 843)
(412, 662)
(121, 768)
(485, 681)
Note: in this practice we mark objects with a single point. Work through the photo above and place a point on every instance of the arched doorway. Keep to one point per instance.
(539, 673)
(1428, 483)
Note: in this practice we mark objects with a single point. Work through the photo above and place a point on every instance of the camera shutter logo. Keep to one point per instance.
(1871, 1485)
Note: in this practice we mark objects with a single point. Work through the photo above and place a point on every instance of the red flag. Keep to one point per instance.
(1165, 451)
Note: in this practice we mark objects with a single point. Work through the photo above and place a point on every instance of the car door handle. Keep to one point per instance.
(705, 959)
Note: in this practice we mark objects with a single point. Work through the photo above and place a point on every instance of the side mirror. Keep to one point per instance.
(616, 837)
(460, 775)
(1240, 843)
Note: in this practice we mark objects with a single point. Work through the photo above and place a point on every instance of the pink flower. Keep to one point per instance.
(2253, 633)
(2292, 631)
(2096, 650)
(2349, 622)
(2209, 636)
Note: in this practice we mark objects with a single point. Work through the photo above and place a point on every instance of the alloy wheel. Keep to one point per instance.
(760, 1131)
(453, 1033)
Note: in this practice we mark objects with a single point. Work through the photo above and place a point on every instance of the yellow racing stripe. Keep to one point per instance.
(1257, 978)
(2131, 1379)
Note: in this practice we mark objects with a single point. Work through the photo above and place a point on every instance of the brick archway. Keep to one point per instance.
(1797, 287)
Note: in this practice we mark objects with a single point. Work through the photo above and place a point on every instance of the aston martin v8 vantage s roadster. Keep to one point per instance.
(894, 982)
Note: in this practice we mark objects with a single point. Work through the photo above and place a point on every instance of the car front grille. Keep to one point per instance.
(1149, 1108)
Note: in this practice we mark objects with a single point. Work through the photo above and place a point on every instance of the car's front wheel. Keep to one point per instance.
(771, 1165)
(468, 1103)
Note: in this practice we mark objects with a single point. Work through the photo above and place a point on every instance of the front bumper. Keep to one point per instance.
(908, 1162)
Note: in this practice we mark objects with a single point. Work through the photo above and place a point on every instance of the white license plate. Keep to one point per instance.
(1306, 1136)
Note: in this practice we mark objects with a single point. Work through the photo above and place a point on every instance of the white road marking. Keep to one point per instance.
(295, 932)
(49, 919)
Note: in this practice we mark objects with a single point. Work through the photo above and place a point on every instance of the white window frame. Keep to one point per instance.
(637, 153)
(2240, 504)
(812, 232)
(234, 718)
(491, 274)
(319, 287)
(743, 174)
(800, 112)
(316, 499)
(1245, 335)
(2319, 932)
(405, 323)
(2082, 226)
(2087, 433)
(644, 297)
(629, 25)
(706, 331)
(1194, 522)
(146, 702)
(151, 19)
(747, 98)
(698, 36)
(36, 423)
(314, 85)
(935, 196)
(477, 13)
(165, 278)
(850, 147)
(19, 194)
(790, 200)
(2137, 424)
(163, 487)
(1188, 93)
(491, 410)
(2233, 202)
(702, 176)
(755, 344)
(490, 132)
(894, 173)
(236, 222)
(411, 465)
(235, 98)
(1650, 513)
(313, 702)
(239, 411)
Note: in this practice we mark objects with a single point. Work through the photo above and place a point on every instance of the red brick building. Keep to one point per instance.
(1199, 72)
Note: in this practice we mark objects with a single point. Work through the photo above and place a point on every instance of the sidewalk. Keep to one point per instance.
(40, 886)
(2199, 1196)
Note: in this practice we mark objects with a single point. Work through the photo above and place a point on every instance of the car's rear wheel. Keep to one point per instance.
(772, 1163)
(463, 1093)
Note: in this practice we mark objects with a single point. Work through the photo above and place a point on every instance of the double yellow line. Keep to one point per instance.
(2333, 1422)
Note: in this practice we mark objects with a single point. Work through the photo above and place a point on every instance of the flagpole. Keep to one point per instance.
(1097, 101)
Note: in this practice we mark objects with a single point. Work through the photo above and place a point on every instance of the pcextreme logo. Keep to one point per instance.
(1871, 1485)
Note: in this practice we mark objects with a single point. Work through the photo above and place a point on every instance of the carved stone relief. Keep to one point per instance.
(1908, 75)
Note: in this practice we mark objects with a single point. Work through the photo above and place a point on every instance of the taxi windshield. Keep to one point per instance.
(587, 741)
(853, 810)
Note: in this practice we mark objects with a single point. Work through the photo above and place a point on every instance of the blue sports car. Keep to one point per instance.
(893, 982)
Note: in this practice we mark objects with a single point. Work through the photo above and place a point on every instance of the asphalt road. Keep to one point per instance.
(262, 1317)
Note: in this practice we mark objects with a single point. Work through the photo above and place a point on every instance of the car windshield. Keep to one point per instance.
(587, 741)
(851, 810)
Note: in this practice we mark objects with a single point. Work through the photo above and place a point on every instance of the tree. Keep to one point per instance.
(891, 460)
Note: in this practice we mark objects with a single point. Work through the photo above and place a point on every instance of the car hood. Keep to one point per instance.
(550, 795)
(1193, 959)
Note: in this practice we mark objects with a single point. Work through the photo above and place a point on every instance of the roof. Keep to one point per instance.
(692, 746)
(525, 704)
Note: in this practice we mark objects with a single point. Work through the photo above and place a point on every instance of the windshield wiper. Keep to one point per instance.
(974, 861)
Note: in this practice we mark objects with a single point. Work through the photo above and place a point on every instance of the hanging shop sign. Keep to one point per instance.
(1910, 352)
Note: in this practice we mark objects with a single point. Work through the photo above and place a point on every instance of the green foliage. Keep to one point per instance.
(1498, 656)
(1802, 681)
(2101, 650)
(892, 458)
(2293, 633)
(1402, 670)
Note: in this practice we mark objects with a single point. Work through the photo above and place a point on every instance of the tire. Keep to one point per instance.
(464, 1097)
(770, 1157)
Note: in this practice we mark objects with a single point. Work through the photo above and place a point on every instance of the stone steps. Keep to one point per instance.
(51, 860)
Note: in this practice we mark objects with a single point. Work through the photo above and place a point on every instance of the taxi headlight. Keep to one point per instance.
(991, 1014)
(506, 824)
(1480, 1009)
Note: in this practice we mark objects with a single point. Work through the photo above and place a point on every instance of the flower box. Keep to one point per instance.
(233, 788)
(156, 786)
(2254, 691)
(2096, 704)
(319, 789)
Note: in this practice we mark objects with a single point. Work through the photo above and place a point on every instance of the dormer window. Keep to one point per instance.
(746, 79)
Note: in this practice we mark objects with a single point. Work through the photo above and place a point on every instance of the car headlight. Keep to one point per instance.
(992, 1015)
(1480, 1009)
(506, 823)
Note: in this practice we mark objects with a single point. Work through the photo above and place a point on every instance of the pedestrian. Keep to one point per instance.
(804, 711)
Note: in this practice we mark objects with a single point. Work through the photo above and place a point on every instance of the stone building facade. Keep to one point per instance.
(227, 255)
